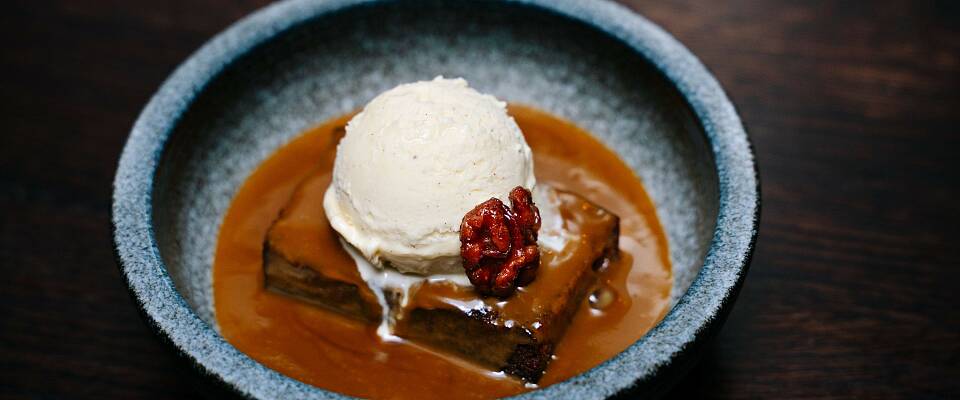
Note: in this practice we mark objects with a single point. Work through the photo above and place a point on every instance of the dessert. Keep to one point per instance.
(419, 242)
(447, 317)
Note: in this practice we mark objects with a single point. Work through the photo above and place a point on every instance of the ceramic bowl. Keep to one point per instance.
(297, 63)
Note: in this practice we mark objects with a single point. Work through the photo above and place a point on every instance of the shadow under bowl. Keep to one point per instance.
(298, 63)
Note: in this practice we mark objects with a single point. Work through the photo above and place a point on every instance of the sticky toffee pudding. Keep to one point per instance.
(294, 295)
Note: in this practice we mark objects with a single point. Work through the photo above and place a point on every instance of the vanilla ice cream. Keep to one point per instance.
(413, 162)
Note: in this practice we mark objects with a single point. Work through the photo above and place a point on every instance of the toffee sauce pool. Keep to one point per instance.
(335, 353)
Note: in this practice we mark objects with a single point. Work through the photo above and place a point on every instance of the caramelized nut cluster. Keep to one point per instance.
(498, 244)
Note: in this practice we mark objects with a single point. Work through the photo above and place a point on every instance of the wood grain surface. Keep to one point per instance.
(853, 107)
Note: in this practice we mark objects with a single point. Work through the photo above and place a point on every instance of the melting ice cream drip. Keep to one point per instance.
(384, 280)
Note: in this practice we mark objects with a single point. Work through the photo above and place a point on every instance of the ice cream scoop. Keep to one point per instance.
(413, 162)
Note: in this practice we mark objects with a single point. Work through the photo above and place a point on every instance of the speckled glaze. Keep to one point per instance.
(297, 63)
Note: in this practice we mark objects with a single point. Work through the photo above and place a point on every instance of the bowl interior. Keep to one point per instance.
(335, 63)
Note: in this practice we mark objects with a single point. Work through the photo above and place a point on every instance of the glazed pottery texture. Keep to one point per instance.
(298, 63)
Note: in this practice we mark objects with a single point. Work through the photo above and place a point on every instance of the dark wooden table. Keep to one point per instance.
(854, 110)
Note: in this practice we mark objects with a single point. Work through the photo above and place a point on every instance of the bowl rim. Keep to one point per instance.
(695, 316)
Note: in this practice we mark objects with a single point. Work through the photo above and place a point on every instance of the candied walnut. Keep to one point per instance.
(498, 244)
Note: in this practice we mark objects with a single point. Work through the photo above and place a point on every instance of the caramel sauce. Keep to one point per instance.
(336, 353)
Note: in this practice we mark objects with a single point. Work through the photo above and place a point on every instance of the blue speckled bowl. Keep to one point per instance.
(297, 63)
